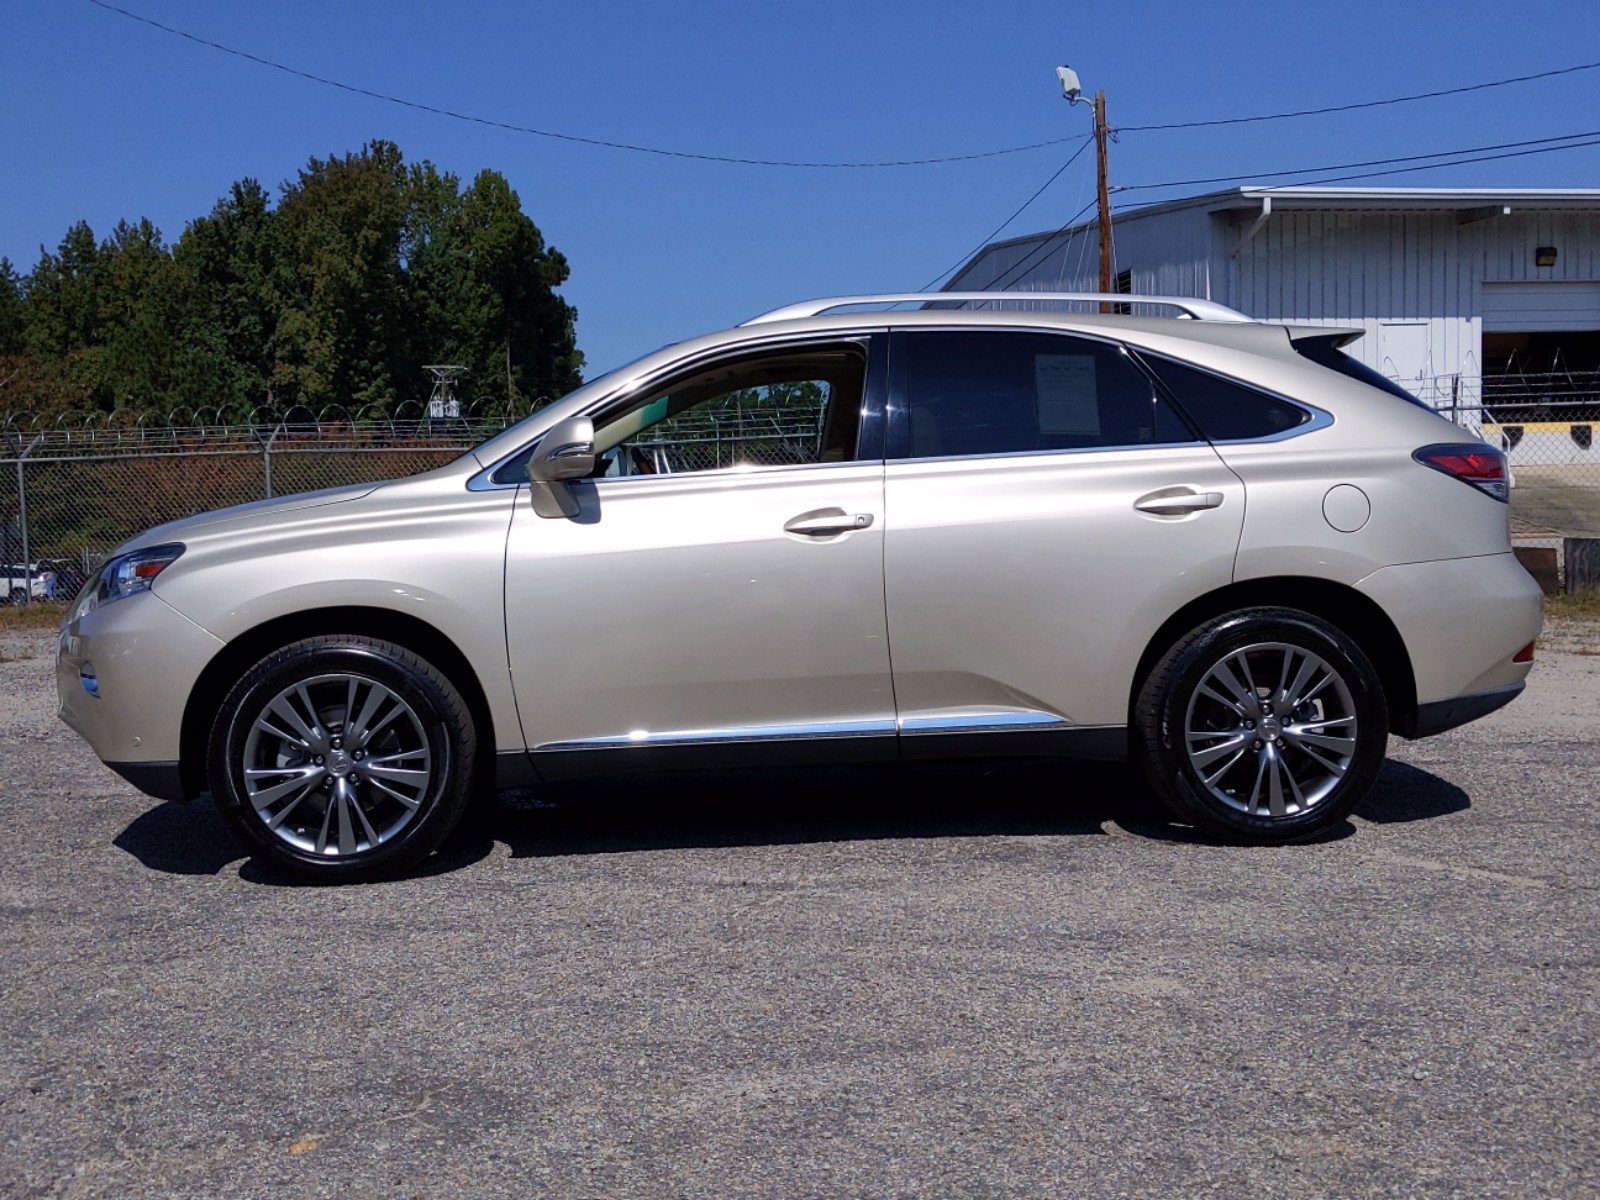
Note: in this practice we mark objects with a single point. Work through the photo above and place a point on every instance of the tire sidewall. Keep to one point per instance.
(435, 817)
(1234, 633)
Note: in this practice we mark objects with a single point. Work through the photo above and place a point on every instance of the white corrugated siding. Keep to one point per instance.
(1547, 305)
(1327, 267)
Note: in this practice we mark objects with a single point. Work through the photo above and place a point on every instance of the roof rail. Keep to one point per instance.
(1199, 310)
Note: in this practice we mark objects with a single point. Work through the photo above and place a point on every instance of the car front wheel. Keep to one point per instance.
(1265, 725)
(343, 758)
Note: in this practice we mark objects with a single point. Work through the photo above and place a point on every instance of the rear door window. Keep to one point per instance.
(969, 393)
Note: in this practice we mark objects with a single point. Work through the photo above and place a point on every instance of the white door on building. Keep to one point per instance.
(1403, 353)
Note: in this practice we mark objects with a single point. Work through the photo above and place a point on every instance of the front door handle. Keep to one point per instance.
(1176, 501)
(826, 522)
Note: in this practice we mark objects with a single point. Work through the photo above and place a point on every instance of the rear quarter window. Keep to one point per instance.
(1224, 410)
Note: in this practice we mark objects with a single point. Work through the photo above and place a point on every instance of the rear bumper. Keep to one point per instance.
(1462, 621)
(163, 780)
(1440, 715)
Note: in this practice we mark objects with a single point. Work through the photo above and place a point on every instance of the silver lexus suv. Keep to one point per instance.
(841, 530)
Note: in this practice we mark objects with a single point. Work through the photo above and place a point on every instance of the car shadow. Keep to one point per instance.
(793, 806)
(1406, 793)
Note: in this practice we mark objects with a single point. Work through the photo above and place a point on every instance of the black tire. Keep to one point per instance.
(443, 723)
(1170, 698)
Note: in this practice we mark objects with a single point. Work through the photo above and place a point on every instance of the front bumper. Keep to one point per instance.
(124, 674)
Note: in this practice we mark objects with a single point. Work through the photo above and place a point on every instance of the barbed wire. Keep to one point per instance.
(413, 424)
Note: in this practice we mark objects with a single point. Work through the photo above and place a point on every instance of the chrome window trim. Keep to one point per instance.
(732, 472)
(1319, 418)
(484, 481)
(1197, 444)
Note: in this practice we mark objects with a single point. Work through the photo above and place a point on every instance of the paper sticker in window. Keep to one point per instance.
(1069, 404)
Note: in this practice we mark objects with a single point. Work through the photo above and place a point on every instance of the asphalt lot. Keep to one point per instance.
(1008, 982)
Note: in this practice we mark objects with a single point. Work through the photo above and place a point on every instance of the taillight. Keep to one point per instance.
(1482, 466)
(1525, 655)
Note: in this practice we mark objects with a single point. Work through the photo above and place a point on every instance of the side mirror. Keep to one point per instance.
(565, 452)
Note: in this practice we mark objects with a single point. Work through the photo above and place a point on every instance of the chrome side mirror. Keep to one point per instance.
(565, 452)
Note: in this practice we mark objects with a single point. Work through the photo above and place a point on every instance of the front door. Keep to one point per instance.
(1047, 511)
(722, 582)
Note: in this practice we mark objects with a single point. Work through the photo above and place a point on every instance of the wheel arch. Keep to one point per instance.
(239, 654)
(1357, 615)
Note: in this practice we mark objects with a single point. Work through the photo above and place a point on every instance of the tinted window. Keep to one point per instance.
(1225, 411)
(1001, 393)
(782, 408)
(778, 409)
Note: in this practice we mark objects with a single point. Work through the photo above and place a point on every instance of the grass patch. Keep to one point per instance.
(1566, 606)
(40, 615)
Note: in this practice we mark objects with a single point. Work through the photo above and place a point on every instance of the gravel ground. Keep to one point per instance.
(1008, 982)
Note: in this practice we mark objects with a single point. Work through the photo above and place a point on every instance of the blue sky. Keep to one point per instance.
(105, 119)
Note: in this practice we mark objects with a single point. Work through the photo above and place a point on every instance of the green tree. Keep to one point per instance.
(342, 320)
(11, 309)
(364, 271)
(516, 319)
(137, 303)
(228, 304)
(62, 298)
(480, 281)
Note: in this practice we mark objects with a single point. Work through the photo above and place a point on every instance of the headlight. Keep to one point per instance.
(125, 575)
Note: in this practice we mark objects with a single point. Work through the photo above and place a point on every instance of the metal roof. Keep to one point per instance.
(1349, 199)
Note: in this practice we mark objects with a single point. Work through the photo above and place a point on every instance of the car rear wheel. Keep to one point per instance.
(343, 758)
(1265, 725)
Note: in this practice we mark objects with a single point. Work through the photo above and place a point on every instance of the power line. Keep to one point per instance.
(1439, 166)
(1339, 108)
(554, 134)
(666, 152)
(1007, 275)
(1547, 144)
(1023, 207)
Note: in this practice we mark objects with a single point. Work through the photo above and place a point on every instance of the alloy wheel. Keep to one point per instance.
(1271, 729)
(337, 764)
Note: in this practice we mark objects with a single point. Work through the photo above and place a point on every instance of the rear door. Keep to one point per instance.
(1046, 512)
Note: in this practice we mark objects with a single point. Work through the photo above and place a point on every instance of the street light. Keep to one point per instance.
(1072, 92)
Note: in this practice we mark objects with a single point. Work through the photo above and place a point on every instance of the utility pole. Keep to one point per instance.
(1072, 91)
(1104, 192)
(442, 400)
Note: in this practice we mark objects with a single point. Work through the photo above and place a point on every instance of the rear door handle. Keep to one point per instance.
(1174, 502)
(825, 522)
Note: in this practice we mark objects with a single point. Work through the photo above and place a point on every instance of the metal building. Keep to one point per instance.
(1468, 296)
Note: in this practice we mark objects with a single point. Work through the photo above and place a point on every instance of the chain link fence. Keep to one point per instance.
(73, 487)
(1546, 425)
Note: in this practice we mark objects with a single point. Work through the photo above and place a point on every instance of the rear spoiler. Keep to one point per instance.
(1334, 337)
